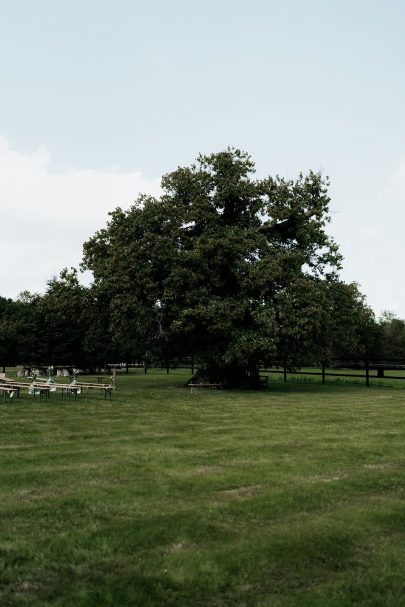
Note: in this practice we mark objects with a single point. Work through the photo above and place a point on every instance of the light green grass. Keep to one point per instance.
(292, 496)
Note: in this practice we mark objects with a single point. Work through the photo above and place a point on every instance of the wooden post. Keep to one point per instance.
(323, 373)
(285, 372)
(367, 374)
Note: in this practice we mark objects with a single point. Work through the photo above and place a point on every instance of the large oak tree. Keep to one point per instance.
(231, 269)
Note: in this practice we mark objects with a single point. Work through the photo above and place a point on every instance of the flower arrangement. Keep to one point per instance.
(33, 377)
(50, 375)
(74, 382)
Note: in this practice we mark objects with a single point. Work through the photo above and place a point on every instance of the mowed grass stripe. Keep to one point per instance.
(290, 496)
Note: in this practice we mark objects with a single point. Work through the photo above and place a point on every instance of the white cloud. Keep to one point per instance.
(46, 214)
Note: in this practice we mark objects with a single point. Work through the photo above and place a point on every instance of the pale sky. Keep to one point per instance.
(100, 98)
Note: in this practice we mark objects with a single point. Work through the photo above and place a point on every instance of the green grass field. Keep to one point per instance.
(293, 496)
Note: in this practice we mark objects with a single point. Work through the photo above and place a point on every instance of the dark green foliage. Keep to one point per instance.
(10, 327)
(321, 320)
(19, 322)
(391, 337)
(63, 311)
(67, 325)
(231, 269)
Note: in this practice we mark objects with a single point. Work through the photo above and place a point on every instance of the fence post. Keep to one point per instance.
(367, 374)
(323, 373)
(285, 372)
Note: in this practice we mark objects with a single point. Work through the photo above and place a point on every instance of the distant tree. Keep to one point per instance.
(223, 266)
(18, 335)
(68, 324)
(391, 337)
(62, 321)
(97, 345)
(322, 320)
(9, 327)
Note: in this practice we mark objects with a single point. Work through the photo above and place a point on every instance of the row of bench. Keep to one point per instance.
(10, 388)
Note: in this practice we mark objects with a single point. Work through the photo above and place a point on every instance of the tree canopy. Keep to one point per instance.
(231, 269)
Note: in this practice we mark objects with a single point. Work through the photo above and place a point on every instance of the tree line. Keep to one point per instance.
(225, 268)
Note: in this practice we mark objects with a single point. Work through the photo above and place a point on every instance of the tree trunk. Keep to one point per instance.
(233, 376)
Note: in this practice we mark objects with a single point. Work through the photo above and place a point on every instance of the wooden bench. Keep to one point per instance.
(211, 387)
(73, 390)
(70, 390)
(9, 391)
(15, 384)
(43, 390)
(39, 390)
(34, 388)
(6, 380)
(105, 388)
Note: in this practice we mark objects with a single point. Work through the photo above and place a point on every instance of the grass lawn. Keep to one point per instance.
(293, 496)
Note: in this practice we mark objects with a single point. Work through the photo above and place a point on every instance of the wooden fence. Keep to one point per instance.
(333, 370)
(366, 370)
